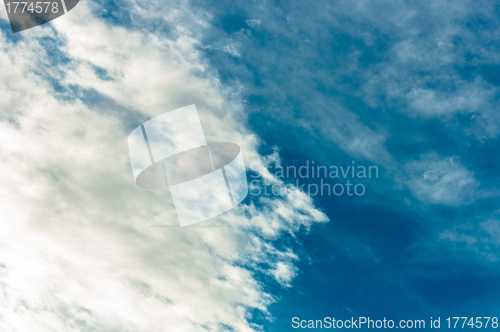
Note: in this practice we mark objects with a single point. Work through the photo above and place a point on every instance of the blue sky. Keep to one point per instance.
(411, 88)
(420, 82)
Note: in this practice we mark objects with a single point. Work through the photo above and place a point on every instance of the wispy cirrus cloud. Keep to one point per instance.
(438, 180)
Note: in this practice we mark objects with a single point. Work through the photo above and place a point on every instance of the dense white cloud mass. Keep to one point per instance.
(76, 249)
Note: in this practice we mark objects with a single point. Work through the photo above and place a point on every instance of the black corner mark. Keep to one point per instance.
(31, 13)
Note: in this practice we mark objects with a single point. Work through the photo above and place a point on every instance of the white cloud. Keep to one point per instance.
(468, 98)
(480, 239)
(492, 227)
(76, 252)
(439, 180)
(254, 22)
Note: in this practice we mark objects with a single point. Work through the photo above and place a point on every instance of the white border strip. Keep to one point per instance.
(64, 6)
